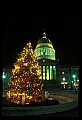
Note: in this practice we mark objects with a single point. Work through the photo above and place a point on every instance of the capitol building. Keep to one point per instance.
(45, 54)
(52, 72)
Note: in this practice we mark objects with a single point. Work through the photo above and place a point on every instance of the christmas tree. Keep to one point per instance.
(25, 84)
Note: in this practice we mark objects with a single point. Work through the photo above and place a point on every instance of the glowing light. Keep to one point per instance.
(64, 82)
(62, 72)
(77, 80)
(63, 79)
(3, 76)
(72, 81)
(74, 76)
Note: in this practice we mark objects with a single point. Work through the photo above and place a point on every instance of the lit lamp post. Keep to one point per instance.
(74, 80)
(64, 83)
(74, 76)
(78, 83)
(4, 76)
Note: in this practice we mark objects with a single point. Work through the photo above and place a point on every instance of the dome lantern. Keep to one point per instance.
(44, 34)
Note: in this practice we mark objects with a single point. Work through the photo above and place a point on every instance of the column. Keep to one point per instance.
(44, 72)
(54, 72)
(50, 72)
(47, 74)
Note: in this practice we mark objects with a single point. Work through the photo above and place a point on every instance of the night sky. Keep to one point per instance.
(23, 23)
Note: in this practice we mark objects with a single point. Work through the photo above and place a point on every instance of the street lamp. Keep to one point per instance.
(74, 76)
(64, 83)
(3, 76)
(4, 80)
(63, 79)
(74, 80)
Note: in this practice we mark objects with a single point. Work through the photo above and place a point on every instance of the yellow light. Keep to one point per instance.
(62, 72)
(12, 83)
(27, 103)
(30, 97)
(27, 96)
(15, 94)
(24, 48)
(19, 94)
(64, 82)
(23, 93)
(19, 60)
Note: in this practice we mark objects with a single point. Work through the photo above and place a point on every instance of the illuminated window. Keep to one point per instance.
(46, 52)
(41, 52)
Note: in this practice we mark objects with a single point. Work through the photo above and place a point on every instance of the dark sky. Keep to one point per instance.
(24, 22)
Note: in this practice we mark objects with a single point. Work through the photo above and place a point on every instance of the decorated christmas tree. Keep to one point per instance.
(25, 84)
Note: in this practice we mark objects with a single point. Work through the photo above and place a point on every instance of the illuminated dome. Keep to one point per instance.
(44, 48)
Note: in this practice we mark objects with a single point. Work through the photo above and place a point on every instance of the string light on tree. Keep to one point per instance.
(25, 84)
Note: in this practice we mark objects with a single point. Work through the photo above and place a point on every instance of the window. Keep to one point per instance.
(43, 51)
